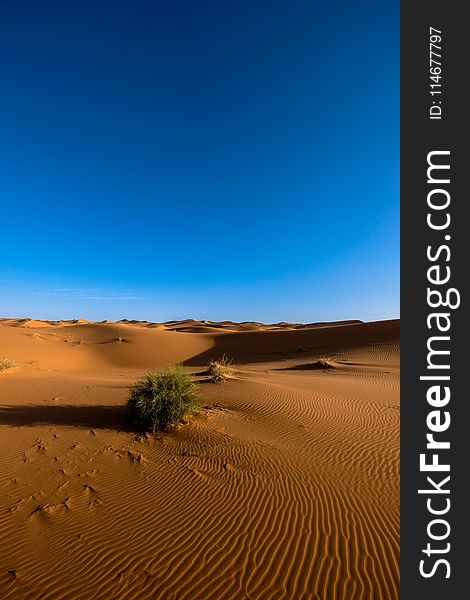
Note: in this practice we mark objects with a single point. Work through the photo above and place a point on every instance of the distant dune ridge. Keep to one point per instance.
(284, 486)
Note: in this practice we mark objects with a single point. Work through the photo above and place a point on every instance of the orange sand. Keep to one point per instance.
(285, 486)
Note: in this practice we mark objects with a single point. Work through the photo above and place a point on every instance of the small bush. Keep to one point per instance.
(162, 399)
(7, 363)
(321, 363)
(221, 370)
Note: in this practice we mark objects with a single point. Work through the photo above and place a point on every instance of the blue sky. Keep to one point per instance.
(216, 160)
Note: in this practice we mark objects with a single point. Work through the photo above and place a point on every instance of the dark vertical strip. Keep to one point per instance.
(421, 135)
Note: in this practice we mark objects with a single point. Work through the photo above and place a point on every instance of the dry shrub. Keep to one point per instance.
(7, 363)
(221, 370)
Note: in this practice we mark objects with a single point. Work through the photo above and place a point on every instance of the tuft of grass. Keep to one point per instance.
(162, 399)
(221, 370)
(7, 363)
(321, 363)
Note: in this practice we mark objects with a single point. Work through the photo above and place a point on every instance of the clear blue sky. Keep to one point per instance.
(233, 159)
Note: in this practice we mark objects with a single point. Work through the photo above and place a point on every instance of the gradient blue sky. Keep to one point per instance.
(211, 159)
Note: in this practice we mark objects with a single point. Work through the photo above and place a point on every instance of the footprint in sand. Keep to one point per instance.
(92, 495)
(24, 502)
(51, 509)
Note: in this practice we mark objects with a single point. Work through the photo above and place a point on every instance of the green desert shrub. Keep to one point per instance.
(7, 363)
(162, 399)
(221, 369)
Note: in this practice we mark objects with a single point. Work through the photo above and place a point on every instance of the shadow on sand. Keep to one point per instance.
(318, 365)
(91, 417)
(267, 346)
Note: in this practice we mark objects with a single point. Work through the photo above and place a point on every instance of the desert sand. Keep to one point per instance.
(284, 486)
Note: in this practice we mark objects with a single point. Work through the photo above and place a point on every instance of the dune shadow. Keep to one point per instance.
(318, 365)
(115, 340)
(87, 416)
(271, 345)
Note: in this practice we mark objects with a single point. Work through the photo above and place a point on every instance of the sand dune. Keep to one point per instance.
(284, 486)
